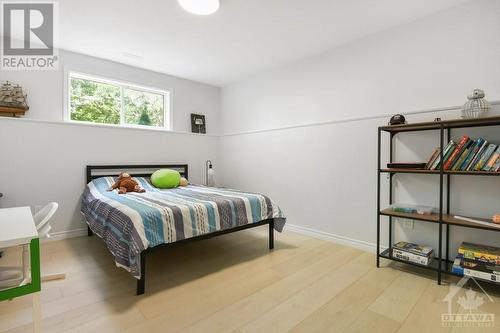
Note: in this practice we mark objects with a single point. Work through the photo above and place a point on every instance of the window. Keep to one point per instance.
(97, 100)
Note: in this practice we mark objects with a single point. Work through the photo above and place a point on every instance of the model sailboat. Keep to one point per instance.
(12, 99)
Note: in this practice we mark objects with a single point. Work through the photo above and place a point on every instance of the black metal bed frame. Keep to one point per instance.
(183, 170)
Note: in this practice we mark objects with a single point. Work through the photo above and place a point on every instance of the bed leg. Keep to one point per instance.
(89, 231)
(271, 234)
(142, 281)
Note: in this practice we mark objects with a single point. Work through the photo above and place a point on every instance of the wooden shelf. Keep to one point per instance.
(420, 171)
(436, 172)
(14, 112)
(434, 218)
(435, 125)
(472, 173)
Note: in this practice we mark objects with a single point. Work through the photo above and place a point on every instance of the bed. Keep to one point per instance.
(134, 224)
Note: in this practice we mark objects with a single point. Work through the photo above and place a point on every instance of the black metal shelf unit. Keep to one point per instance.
(441, 264)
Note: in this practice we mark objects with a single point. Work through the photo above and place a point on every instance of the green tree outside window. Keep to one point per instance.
(108, 103)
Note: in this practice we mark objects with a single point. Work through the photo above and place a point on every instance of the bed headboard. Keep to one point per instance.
(96, 171)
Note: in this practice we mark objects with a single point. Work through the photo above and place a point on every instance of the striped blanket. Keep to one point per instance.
(133, 222)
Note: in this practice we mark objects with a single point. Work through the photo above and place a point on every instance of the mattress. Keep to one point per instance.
(134, 222)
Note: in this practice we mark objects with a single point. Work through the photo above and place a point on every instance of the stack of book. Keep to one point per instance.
(478, 261)
(414, 253)
(467, 155)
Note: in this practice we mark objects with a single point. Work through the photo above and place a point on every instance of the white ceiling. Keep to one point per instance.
(243, 38)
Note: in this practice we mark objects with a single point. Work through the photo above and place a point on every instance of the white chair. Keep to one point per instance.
(11, 276)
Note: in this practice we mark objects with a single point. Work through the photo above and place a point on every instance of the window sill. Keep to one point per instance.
(135, 127)
(108, 126)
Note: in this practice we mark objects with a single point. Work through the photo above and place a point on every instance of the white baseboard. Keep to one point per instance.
(356, 243)
(55, 236)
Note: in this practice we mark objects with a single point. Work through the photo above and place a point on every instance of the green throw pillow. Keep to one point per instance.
(166, 178)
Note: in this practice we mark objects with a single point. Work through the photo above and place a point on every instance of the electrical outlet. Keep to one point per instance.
(407, 223)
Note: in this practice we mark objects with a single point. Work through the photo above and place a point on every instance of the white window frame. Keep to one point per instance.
(167, 100)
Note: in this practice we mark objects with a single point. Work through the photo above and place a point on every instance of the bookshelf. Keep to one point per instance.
(444, 218)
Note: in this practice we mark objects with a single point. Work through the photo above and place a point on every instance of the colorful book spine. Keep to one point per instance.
(434, 155)
(480, 252)
(493, 159)
(463, 156)
(446, 154)
(466, 155)
(456, 153)
(486, 157)
(472, 155)
(438, 158)
(496, 168)
(481, 266)
(476, 159)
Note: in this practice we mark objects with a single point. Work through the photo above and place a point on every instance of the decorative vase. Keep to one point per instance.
(476, 106)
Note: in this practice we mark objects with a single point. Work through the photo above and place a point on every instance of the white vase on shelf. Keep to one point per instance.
(476, 106)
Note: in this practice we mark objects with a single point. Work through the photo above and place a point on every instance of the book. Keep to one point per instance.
(478, 156)
(463, 156)
(446, 154)
(438, 158)
(457, 266)
(434, 155)
(482, 266)
(411, 257)
(481, 275)
(485, 253)
(481, 269)
(414, 248)
(485, 157)
(455, 154)
(490, 224)
(475, 148)
(496, 168)
(493, 159)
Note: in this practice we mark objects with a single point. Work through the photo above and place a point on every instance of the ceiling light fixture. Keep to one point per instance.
(200, 7)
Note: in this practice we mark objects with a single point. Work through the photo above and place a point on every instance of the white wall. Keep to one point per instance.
(430, 63)
(281, 138)
(43, 158)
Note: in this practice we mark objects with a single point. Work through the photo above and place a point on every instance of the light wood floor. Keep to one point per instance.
(234, 284)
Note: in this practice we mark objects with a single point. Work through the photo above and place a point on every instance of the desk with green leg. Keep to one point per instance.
(17, 228)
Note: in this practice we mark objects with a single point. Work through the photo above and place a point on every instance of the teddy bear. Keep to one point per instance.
(183, 182)
(125, 183)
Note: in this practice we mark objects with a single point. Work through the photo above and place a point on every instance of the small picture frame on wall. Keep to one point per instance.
(198, 124)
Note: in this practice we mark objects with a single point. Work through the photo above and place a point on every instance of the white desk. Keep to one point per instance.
(17, 227)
